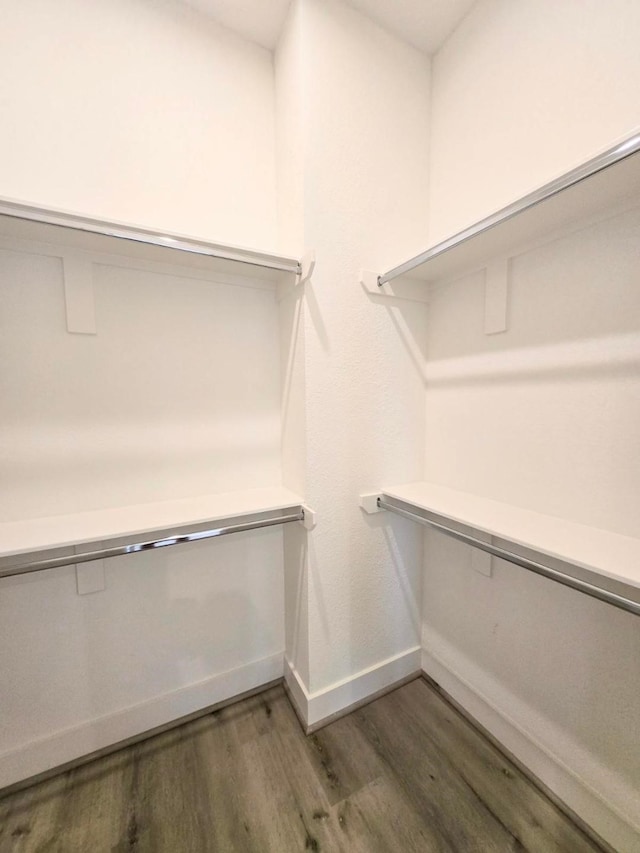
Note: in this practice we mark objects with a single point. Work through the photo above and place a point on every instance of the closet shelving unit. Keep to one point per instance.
(38, 544)
(46, 543)
(23, 221)
(601, 187)
(597, 562)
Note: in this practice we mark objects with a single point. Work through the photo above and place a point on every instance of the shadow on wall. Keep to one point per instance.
(408, 320)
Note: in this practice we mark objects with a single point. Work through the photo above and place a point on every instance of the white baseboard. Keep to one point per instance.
(609, 821)
(297, 691)
(67, 745)
(321, 706)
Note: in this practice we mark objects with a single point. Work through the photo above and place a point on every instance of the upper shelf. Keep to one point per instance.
(605, 183)
(23, 221)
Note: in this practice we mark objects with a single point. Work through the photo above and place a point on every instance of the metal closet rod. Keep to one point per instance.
(147, 236)
(608, 158)
(531, 565)
(149, 545)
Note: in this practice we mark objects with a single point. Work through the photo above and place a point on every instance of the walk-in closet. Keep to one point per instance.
(319, 426)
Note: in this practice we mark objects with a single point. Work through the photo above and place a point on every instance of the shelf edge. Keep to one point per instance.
(616, 154)
(148, 236)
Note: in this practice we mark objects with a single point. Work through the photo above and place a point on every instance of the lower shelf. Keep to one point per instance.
(39, 541)
(608, 561)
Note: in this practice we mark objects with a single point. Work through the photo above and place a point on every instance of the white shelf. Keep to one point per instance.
(20, 221)
(45, 534)
(608, 559)
(605, 184)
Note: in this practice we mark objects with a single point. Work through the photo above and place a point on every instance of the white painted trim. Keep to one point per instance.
(297, 690)
(608, 821)
(70, 744)
(321, 704)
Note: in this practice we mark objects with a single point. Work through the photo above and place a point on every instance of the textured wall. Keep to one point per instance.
(362, 118)
(543, 416)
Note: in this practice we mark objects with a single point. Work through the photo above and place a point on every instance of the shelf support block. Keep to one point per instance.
(89, 576)
(309, 520)
(78, 295)
(496, 297)
(481, 561)
(369, 503)
(407, 288)
(307, 266)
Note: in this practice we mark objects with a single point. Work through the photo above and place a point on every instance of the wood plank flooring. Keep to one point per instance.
(405, 773)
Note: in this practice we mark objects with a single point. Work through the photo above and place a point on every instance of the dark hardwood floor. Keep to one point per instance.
(405, 773)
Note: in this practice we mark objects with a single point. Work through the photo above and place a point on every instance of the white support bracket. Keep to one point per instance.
(307, 266)
(89, 576)
(479, 560)
(496, 297)
(369, 503)
(482, 562)
(411, 289)
(309, 520)
(78, 294)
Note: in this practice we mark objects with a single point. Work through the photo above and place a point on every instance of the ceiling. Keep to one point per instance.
(423, 23)
(257, 20)
(426, 24)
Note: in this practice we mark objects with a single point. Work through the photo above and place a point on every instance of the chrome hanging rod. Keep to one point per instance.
(531, 565)
(608, 158)
(105, 228)
(149, 545)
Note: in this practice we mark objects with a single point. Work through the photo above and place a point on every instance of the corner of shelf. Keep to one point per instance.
(405, 288)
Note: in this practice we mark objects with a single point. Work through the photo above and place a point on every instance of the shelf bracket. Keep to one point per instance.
(481, 561)
(496, 297)
(411, 289)
(89, 576)
(369, 503)
(307, 266)
(308, 518)
(78, 294)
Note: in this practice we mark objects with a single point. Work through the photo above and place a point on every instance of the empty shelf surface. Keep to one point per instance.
(40, 534)
(597, 551)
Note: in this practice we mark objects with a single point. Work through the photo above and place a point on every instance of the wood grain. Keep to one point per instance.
(405, 773)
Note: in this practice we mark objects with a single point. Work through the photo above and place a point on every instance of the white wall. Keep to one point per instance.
(141, 111)
(177, 395)
(137, 111)
(362, 186)
(522, 92)
(174, 631)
